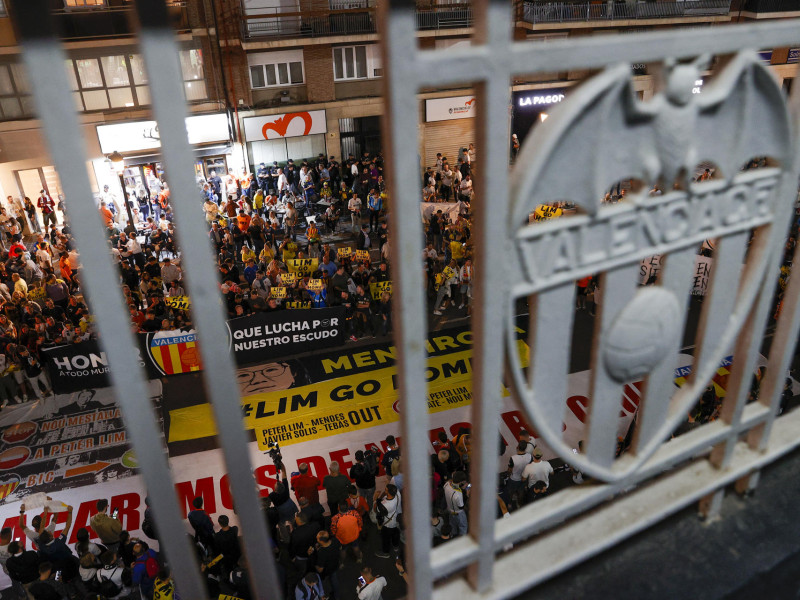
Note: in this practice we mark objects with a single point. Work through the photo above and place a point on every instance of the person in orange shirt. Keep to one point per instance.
(108, 216)
(346, 526)
(243, 221)
(356, 502)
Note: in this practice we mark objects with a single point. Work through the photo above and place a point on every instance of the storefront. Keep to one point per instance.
(449, 126)
(139, 142)
(359, 135)
(277, 138)
(530, 107)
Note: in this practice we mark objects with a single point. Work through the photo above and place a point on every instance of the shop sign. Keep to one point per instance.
(794, 55)
(144, 135)
(274, 127)
(446, 109)
(539, 98)
(766, 56)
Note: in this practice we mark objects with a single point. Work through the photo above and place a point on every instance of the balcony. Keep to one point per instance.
(564, 12)
(771, 6)
(345, 17)
(113, 21)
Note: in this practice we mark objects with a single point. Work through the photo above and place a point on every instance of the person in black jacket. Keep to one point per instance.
(364, 478)
(226, 542)
(23, 566)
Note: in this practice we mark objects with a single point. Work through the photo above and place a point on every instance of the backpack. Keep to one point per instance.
(358, 470)
(151, 566)
(148, 529)
(371, 462)
(107, 587)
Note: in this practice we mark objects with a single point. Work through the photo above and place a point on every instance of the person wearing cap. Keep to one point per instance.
(536, 470)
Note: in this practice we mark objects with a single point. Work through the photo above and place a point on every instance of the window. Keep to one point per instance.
(108, 82)
(14, 101)
(83, 3)
(194, 83)
(356, 62)
(275, 75)
(3, 11)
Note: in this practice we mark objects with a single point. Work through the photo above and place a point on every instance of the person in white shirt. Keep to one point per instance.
(454, 491)
(372, 587)
(516, 465)
(538, 470)
(283, 184)
(466, 189)
(354, 206)
(390, 529)
(465, 277)
(211, 209)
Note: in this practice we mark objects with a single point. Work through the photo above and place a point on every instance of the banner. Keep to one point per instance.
(269, 335)
(179, 302)
(77, 366)
(650, 268)
(288, 279)
(272, 127)
(377, 288)
(544, 212)
(451, 210)
(303, 267)
(295, 305)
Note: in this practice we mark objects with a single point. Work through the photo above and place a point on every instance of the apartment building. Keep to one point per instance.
(269, 80)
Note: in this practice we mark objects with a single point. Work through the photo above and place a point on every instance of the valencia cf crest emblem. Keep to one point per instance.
(602, 134)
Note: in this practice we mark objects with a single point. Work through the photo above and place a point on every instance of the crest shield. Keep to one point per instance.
(602, 134)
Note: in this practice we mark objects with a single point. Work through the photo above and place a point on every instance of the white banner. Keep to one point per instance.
(446, 109)
(273, 127)
(450, 209)
(703, 265)
(143, 135)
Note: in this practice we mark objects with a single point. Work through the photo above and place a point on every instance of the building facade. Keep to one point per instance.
(269, 80)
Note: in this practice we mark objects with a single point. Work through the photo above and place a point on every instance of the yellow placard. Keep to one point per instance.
(544, 212)
(277, 292)
(227, 597)
(377, 288)
(315, 285)
(297, 304)
(37, 294)
(288, 279)
(362, 256)
(303, 267)
(344, 251)
(179, 302)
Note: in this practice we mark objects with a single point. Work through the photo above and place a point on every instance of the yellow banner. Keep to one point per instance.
(377, 288)
(297, 304)
(329, 407)
(344, 251)
(545, 211)
(277, 292)
(315, 285)
(288, 279)
(302, 266)
(362, 255)
(179, 302)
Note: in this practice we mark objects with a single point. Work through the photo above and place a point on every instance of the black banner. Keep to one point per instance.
(277, 334)
(253, 339)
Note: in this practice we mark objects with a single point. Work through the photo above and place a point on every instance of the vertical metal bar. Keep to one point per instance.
(677, 278)
(721, 296)
(166, 88)
(396, 20)
(788, 327)
(552, 313)
(44, 59)
(617, 288)
(494, 97)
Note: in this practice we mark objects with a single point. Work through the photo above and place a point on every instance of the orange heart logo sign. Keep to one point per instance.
(470, 101)
(280, 126)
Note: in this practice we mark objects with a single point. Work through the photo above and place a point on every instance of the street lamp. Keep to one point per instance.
(118, 162)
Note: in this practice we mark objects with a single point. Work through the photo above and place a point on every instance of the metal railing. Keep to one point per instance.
(759, 6)
(444, 16)
(110, 22)
(310, 26)
(560, 12)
